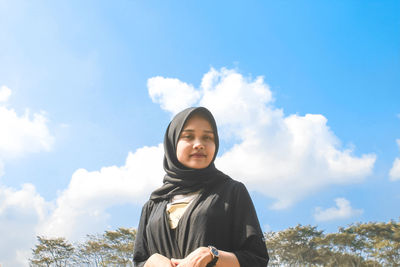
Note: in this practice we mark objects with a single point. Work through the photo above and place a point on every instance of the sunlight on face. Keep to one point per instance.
(196, 146)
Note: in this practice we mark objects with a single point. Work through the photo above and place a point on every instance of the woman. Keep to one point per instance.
(200, 216)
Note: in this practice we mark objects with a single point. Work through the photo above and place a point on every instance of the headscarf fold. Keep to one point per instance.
(180, 179)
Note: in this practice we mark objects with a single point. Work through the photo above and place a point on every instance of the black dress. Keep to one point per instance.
(222, 216)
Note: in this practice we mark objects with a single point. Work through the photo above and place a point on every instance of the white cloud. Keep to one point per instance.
(343, 210)
(234, 99)
(172, 94)
(283, 157)
(5, 93)
(82, 207)
(22, 134)
(394, 173)
(395, 170)
(20, 213)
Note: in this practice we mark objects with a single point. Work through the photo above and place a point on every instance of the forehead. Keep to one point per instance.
(197, 121)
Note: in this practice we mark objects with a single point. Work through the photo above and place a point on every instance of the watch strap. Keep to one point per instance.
(214, 253)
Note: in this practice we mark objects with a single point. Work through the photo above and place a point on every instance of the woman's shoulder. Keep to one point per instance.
(233, 185)
(148, 206)
(233, 193)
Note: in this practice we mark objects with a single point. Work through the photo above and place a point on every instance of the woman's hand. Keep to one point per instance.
(198, 258)
(158, 260)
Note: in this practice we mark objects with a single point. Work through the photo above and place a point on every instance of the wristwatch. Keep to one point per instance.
(215, 254)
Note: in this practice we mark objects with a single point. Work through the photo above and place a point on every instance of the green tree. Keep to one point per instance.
(344, 249)
(51, 252)
(92, 252)
(358, 245)
(119, 245)
(381, 241)
(295, 246)
(113, 248)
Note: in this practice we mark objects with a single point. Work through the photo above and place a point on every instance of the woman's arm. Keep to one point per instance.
(140, 252)
(157, 260)
(227, 259)
(202, 256)
(250, 248)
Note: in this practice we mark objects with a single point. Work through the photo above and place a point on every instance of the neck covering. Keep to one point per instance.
(180, 179)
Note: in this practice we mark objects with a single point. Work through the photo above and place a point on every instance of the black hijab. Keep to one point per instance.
(178, 178)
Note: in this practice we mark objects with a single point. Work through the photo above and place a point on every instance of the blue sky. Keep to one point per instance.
(86, 71)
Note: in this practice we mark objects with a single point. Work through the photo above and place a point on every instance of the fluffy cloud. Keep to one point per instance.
(23, 134)
(394, 173)
(82, 207)
(21, 211)
(283, 157)
(343, 210)
(172, 94)
(5, 93)
(395, 170)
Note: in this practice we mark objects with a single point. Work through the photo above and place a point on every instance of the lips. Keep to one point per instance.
(198, 155)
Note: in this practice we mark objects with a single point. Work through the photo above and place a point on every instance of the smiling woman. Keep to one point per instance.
(196, 147)
(200, 216)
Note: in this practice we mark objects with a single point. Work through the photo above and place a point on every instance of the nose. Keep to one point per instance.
(198, 145)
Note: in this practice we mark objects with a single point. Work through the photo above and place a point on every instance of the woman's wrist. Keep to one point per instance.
(214, 254)
(227, 259)
(207, 256)
(158, 260)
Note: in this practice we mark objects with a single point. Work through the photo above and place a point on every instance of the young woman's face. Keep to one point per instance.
(196, 146)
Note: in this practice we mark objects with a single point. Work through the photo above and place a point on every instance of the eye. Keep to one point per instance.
(208, 137)
(186, 136)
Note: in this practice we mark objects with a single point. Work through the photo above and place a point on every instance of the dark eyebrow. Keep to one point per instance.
(190, 130)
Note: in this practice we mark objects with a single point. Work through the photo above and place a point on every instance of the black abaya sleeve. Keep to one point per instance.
(141, 253)
(252, 251)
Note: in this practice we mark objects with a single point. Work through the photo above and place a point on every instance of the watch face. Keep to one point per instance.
(214, 251)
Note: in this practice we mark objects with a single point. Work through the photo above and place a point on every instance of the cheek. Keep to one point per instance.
(211, 150)
(180, 149)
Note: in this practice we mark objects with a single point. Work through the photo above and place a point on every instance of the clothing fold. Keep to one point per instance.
(223, 217)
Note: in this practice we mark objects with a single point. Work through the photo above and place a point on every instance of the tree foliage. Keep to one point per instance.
(113, 248)
(52, 252)
(362, 244)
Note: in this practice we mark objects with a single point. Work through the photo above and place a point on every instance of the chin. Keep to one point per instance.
(197, 166)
